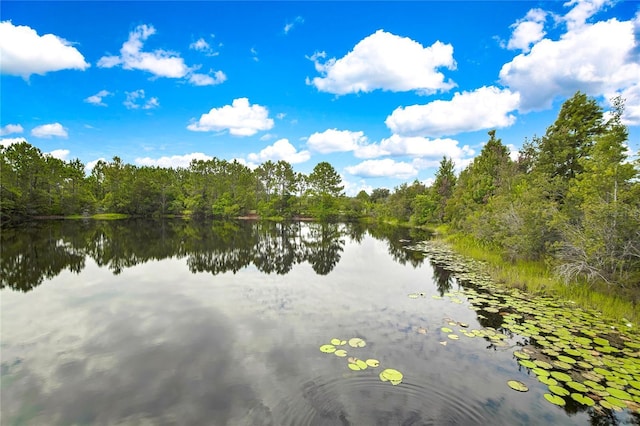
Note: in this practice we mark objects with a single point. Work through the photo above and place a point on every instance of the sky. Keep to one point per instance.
(381, 90)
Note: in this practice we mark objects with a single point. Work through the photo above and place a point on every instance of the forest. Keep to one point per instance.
(571, 199)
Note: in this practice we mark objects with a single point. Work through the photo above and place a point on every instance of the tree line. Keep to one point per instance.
(571, 197)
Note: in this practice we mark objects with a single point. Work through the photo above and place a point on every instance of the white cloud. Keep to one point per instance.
(60, 154)
(280, 150)
(383, 168)
(631, 96)
(160, 63)
(24, 52)
(97, 98)
(289, 26)
(582, 10)
(254, 54)
(351, 189)
(174, 161)
(5, 142)
(240, 118)
(49, 130)
(388, 62)
(11, 128)
(91, 164)
(206, 79)
(334, 140)
(417, 146)
(201, 45)
(136, 100)
(528, 30)
(594, 58)
(483, 108)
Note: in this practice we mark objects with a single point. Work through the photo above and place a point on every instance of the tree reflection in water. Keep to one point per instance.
(45, 249)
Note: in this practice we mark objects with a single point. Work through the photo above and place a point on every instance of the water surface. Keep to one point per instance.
(177, 322)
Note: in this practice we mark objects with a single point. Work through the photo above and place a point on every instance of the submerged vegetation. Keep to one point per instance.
(566, 211)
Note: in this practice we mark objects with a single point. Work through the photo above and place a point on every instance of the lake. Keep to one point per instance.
(221, 323)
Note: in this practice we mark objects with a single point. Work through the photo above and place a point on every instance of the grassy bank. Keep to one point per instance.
(537, 278)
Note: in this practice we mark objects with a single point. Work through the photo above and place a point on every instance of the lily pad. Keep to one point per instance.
(340, 352)
(453, 336)
(521, 355)
(549, 381)
(563, 377)
(577, 386)
(338, 342)
(558, 390)
(372, 362)
(555, 399)
(620, 394)
(446, 330)
(392, 376)
(582, 399)
(327, 349)
(517, 385)
(356, 342)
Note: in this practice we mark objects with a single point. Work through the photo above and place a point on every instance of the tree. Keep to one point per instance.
(570, 137)
(442, 188)
(325, 185)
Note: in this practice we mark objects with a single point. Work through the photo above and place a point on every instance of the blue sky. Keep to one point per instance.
(381, 90)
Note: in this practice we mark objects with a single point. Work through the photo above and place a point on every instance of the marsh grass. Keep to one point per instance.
(538, 278)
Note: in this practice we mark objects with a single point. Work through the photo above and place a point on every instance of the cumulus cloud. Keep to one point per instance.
(49, 130)
(240, 119)
(60, 154)
(201, 45)
(595, 58)
(351, 189)
(11, 128)
(5, 142)
(383, 168)
(174, 161)
(483, 108)
(97, 98)
(631, 96)
(388, 62)
(581, 11)
(91, 164)
(290, 25)
(528, 30)
(24, 52)
(334, 140)
(417, 146)
(280, 150)
(136, 100)
(160, 63)
(198, 79)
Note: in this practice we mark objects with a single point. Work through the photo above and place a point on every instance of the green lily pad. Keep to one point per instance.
(338, 342)
(563, 377)
(615, 401)
(372, 362)
(600, 341)
(413, 295)
(453, 336)
(391, 375)
(527, 363)
(555, 399)
(577, 386)
(561, 365)
(521, 355)
(356, 342)
(549, 381)
(446, 330)
(540, 371)
(517, 385)
(593, 385)
(327, 349)
(620, 394)
(582, 399)
(543, 364)
(340, 352)
(558, 390)
(566, 359)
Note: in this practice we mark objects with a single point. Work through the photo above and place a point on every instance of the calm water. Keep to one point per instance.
(176, 322)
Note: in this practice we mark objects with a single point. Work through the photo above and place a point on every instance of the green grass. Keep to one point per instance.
(109, 216)
(537, 278)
